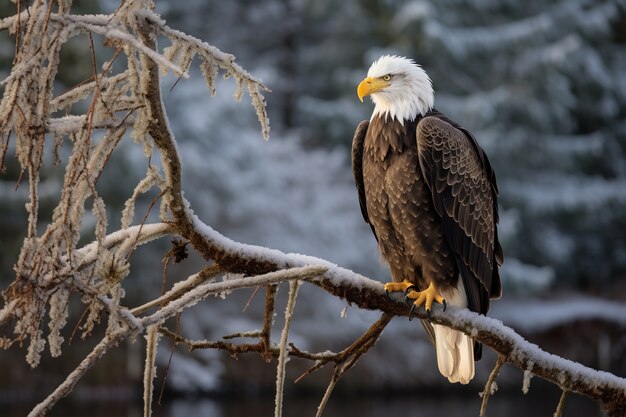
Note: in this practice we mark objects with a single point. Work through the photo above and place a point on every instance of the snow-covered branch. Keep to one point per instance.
(365, 293)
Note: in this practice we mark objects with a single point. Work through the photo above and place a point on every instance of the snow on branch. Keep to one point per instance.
(52, 268)
(363, 292)
(213, 60)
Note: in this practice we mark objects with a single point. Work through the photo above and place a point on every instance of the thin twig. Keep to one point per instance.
(234, 349)
(489, 385)
(109, 341)
(559, 408)
(181, 288)
(166, 263)
(149, 372)
(352, 354)
(143, 221)
(329, 390)
(204, 290)
(254, 293)
(280, 369)
(268, 319)
(169, 362)
(252, 333)
(363, 343)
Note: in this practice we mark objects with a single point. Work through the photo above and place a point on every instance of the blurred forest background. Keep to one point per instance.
(542, 84)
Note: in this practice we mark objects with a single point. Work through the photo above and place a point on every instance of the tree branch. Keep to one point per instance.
(72, 379)
(490, 385)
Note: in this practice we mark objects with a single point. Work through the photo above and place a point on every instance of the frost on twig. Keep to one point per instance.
(149, 373)
(50, 267)
(527, 377)
(282, 348)
(59, 303)
(184, 47)
(491, 386)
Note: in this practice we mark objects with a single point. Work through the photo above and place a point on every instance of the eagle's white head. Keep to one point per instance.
(399, 88)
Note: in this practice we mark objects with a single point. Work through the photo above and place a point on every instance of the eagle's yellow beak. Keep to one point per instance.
(370, 85)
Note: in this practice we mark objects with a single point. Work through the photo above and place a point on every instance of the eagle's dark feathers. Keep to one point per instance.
(460, 195)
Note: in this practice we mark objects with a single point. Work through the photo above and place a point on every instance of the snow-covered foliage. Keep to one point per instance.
(50, 265)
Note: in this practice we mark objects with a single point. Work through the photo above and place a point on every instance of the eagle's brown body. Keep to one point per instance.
(400, 209)
(429, 194)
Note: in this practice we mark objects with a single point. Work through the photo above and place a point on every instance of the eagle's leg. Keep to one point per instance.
(404, 286)
(426, 298)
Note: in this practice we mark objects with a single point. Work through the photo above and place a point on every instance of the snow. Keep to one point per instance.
(532, 316)
(199, 371)
(557, 192)
(462, 41)
(531, 355)
(527, 377)
(335, 273)
(493, 388)
(521, 278)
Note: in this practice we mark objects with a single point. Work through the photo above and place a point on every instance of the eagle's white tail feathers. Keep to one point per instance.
(455, 354)
(455, 350)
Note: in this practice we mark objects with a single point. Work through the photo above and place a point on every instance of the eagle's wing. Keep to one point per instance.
(464, 194)
(357, 168)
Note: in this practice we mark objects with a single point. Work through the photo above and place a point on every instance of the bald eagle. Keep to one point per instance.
(428, 192)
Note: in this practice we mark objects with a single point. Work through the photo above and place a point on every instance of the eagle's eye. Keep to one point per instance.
(387, 77)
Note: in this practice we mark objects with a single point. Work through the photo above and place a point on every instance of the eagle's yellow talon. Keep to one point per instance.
(426, 297)
(398, 286)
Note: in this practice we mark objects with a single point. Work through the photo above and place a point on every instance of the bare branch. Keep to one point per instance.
(559, 408)
(180, 288)
(282, 348)
(250, 333)
(490, 384)
(149, 373)
(349, 357)
(204, 290)
(109, 341)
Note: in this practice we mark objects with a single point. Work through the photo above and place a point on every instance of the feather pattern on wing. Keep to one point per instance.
(357, 168)
(464, 194)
